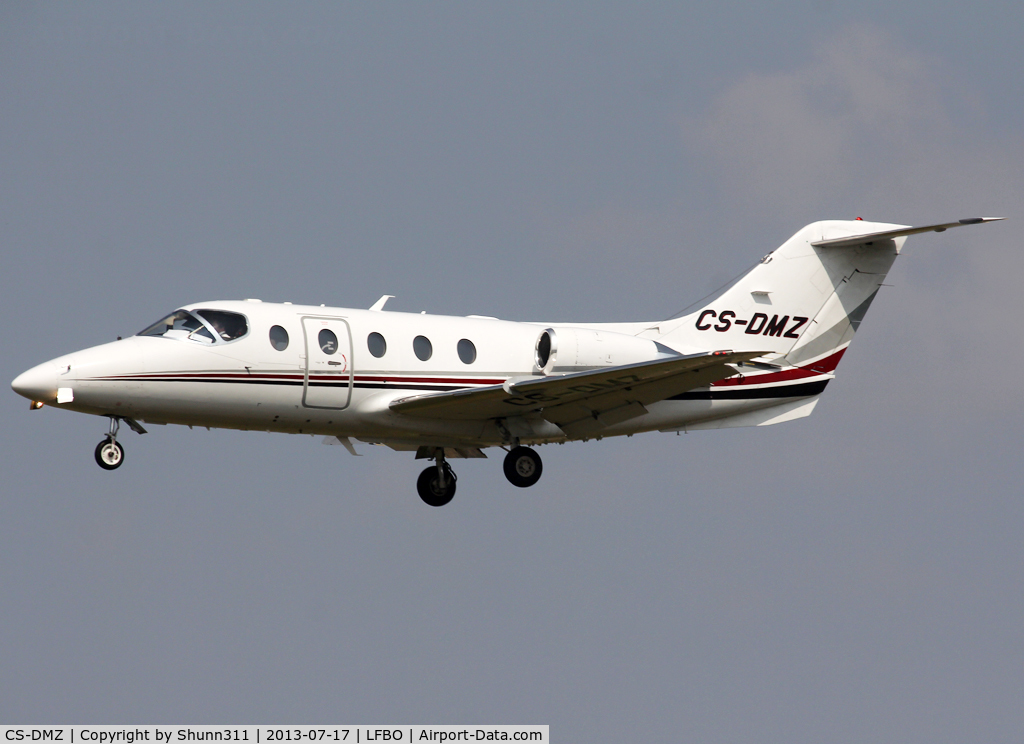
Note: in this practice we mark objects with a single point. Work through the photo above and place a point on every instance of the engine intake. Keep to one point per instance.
(563, 350)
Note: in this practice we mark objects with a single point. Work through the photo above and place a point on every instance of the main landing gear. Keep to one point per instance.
(436, 484)
(110, 454)
(523, 467)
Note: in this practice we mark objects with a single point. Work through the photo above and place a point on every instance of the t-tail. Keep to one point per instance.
(801, 305)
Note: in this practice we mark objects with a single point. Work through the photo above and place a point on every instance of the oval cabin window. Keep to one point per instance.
(328, 341)
(278, 338)
(421, 345)
(467, 351)
(376, 344)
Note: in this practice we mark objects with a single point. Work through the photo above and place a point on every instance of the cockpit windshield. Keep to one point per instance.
(180, 324)
(228, 325)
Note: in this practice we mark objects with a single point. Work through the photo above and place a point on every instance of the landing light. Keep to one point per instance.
(35, 405)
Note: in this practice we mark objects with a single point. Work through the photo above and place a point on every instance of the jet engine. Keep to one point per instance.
(562, 350)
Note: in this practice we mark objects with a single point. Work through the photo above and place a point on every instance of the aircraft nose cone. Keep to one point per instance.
(38, 383)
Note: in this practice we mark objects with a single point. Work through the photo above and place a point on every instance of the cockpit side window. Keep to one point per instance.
(180, 324)
(229, 326)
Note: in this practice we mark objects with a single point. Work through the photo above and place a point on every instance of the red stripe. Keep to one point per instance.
(821, 367)
(443, 380)
(272, 376)
(789, 374)
(826, 365)
(230, 375)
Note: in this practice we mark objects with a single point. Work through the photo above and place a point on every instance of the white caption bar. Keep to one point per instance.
(268, 734)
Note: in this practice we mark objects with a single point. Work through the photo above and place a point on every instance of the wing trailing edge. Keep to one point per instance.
(581, 401)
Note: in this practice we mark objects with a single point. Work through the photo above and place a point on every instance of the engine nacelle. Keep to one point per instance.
(562, 350)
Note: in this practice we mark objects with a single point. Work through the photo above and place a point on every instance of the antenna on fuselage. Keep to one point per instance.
(379, 304)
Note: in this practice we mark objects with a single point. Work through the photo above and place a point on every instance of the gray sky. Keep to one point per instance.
(854, 576)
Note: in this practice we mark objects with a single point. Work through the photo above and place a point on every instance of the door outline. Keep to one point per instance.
(347, 354)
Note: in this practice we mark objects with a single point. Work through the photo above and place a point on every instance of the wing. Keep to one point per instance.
(583, 401)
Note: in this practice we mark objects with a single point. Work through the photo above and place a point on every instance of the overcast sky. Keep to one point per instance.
(854, 576)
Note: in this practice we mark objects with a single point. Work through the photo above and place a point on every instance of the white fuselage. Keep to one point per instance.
(759, 353)
(247, 383)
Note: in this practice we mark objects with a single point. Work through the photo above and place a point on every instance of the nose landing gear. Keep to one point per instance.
(436, 484)
(109, 454)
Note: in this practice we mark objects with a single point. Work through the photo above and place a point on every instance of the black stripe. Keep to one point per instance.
(315, 383)
(403, 386)
(238, 381)
(782, 391)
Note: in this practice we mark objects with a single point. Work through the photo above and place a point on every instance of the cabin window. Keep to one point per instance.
(376, 344)
(229, 326)
(421, 345)
(180, 324)
(467, 351)
(328, 341)
(278, 338)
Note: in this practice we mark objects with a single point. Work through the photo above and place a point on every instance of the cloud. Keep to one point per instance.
(864, 128)
(792, 140)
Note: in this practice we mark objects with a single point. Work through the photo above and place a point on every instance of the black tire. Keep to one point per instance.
(428, 486)
(523, 467)
(109, 454)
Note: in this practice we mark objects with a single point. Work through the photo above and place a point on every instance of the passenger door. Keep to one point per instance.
(328, 378)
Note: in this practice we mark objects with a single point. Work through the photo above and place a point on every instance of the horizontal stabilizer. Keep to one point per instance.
(853, 240)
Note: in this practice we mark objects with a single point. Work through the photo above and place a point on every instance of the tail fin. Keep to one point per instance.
(803, 303)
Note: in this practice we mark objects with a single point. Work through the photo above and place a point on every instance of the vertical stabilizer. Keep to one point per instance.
(802, 303)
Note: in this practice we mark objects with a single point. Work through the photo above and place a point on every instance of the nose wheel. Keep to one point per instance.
(523, 467)
(109, 454)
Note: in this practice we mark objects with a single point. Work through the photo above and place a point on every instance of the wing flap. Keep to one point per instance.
(582, 396)
(592, 414)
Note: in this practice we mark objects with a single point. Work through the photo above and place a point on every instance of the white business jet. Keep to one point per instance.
(445, 387)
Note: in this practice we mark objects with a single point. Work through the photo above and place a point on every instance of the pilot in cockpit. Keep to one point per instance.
(229, 326)
(183, 325)
(221, 328)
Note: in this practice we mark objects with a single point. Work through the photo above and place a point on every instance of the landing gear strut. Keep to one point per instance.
(110, 454)
(523, 467)
(436, 484)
